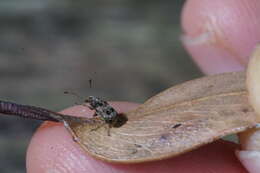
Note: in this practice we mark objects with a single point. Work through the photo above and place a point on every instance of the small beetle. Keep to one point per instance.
(103, 110)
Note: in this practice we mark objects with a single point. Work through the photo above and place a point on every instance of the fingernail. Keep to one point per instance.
(250, 160)
(220, 35)
(211, 55)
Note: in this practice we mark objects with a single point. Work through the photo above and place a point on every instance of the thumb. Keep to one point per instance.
(220, 35)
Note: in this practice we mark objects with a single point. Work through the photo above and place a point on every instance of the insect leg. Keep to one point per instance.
(108, 129)
(98, 127)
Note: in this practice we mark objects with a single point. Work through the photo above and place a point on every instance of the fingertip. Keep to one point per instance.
(220, 35)
(51, 150)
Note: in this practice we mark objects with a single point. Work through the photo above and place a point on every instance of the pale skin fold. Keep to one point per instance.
(220, 36)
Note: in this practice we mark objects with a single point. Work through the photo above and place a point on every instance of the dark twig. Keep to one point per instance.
(37, 113)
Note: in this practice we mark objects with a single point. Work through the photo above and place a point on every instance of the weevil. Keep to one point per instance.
(103, 110)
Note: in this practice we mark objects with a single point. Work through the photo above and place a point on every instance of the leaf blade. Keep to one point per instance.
(151, 132)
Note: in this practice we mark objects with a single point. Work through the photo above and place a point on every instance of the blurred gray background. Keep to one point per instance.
(129, 49)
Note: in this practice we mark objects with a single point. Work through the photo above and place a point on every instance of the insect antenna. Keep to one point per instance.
(82, 100)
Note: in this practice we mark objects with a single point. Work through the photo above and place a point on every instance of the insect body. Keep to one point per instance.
(103, 110)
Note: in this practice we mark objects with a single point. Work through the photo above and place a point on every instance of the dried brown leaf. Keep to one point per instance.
(175, 121)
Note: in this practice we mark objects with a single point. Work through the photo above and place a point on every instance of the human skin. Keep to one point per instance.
(220, 36)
